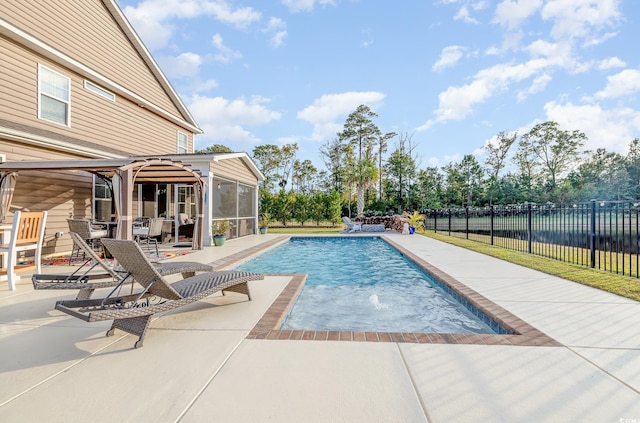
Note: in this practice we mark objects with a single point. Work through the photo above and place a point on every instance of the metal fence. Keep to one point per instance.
(599, 234)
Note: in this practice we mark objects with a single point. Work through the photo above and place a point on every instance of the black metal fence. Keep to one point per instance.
(599, 234)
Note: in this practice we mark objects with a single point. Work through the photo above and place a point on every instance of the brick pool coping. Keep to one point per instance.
(267, 327)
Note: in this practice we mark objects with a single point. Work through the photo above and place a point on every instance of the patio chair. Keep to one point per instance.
(150, 233)
(91, 235)
(352, 226)
(97, 273)
(132, 313)
(27, 233)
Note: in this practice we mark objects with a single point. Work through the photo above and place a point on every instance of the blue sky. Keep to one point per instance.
(451, 74)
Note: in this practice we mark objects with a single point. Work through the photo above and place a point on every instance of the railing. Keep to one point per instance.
(599, 234)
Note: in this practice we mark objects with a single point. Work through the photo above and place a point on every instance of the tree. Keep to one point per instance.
(303, 176)
(334, 155)
(401, 168)
(464, 180)
(556, 149)
(275, 163)
(633, 167)
(429, 188)
(215, 148)
(361, 134)
(266, 159)
(334, 207)
(382, 148)
(496, 157)
(603, 176)
(302, 206)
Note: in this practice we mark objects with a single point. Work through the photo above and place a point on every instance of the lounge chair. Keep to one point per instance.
(87, 280)
(352, 226)
(132, 313)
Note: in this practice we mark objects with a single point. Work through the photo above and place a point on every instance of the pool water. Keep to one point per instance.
(363, 284)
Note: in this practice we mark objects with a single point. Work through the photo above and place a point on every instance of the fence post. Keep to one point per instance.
(449, 222)
(491, 224)
(466, 220)
(529, 229)
(592, 243)
(435, 221)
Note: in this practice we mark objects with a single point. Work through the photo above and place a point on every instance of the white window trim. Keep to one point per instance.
(186, 146)
(68, 102)
(90, 86)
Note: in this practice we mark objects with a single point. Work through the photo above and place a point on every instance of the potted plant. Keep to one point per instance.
(416, 221)
(263, 223)
(219, 229)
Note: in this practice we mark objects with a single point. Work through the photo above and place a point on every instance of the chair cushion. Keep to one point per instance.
(99, 234)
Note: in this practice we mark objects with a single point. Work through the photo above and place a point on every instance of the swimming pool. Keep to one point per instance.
(364, 284)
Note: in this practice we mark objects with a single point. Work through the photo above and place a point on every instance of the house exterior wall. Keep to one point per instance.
(85, 32)
(62, 194)
(234, 169)
(119, 124)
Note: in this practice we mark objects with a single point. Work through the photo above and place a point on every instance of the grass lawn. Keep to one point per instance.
(620, 285)
(624, 286)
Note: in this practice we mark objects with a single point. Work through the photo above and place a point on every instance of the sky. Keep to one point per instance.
(448, 74)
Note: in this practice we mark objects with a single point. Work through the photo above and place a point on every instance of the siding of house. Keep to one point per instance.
(234, 169)
(62, 194)
(86, 31)
(121, 124)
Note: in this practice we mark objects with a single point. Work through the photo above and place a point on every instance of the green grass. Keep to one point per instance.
(616, 284)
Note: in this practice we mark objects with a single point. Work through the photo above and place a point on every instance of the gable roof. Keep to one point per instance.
(137, 43)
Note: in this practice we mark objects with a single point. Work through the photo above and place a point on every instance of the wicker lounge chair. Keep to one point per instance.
(96, 273)
(132, 313)
(352, 226)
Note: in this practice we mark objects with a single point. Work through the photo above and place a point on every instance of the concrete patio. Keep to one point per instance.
(197, 366)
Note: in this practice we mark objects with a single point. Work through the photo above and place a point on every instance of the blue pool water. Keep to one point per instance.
(363, 284)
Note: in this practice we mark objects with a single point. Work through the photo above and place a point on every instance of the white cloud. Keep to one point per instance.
(150, 18)
(184, 65)
(594, 41)
(224, 121)
(621, 84)
(456, 103)
(448, 57)
(511, 13)
(278, 28)
(538, 85)
(326, 110)
(463, 15)
(610, 63)
(205, 86)
(295, 6)
(225, 54)
(611, 129)
(579, 18)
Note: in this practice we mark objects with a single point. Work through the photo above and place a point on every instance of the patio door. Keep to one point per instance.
(184, 203)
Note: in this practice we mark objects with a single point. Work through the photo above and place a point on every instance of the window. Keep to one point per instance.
(102, 199)
(183, 143)
(54, 95)
(99, 90)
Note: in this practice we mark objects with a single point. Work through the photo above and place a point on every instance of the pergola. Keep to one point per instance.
(124, 173)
